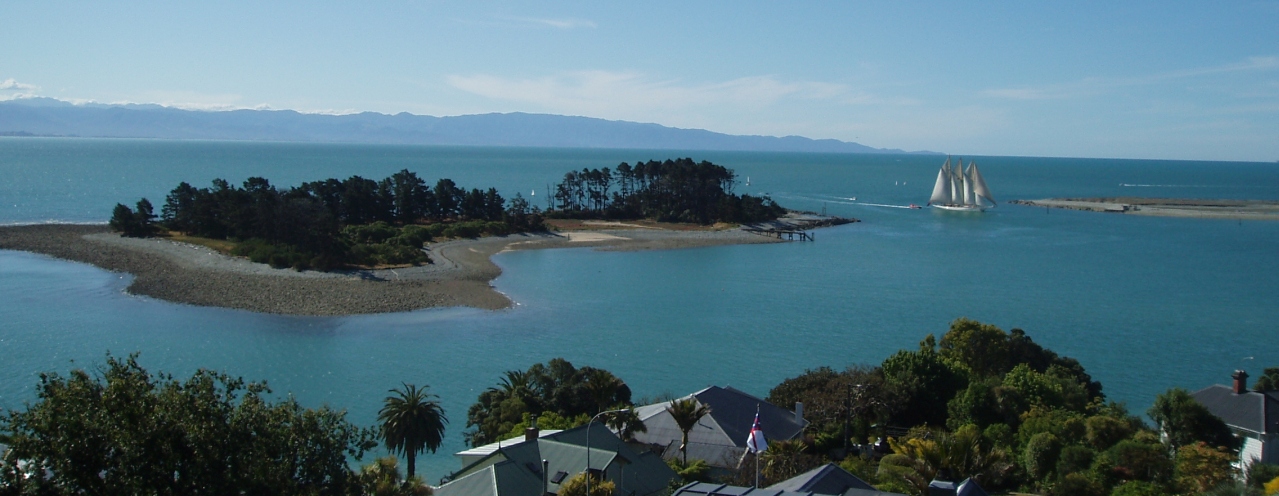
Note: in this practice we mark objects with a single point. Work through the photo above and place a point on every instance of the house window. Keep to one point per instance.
(559, 477)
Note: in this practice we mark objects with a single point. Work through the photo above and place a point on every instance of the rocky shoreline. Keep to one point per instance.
(461, 275)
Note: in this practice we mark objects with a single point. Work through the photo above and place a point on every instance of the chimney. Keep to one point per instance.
(1241, 381)
(530, 433)
(799, 412)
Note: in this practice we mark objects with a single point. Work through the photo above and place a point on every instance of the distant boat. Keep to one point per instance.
(960, 190)
(748, 180)
(533, 193)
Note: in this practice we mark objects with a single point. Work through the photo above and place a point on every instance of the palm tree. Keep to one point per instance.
(516, 384)
(626, 422)
(412, 422)
(785, 459)
(602, 387)
(686, 413)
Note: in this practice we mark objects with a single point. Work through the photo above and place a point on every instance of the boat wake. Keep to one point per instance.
(1128, 185)
(846, 201)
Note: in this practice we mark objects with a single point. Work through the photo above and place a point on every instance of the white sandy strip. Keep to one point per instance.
(606, 223)
(587, 237)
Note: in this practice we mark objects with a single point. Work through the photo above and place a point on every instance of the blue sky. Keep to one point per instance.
(1177, 80)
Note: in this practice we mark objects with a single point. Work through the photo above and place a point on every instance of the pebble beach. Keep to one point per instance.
(461, 274)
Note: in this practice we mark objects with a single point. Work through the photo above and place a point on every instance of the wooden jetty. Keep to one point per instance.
(795, 226)
(787, 234)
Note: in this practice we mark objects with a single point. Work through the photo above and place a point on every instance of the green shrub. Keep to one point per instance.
(377, 232)
(1261, 473)
(1041, 454)
(1077, 485)
(1137, 488)
(1074, 459)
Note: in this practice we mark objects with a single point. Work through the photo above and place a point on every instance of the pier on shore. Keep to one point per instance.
(795, 226)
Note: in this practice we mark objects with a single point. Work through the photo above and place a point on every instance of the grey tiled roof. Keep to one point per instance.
(826, 479)
(1252, 411)
(970, 488)
(734, 410)
(718, 438)
(516, 469)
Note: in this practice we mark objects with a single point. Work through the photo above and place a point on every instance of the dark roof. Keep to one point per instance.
(1252, 410)
(970, 488)
(516, 469)
(709, 489)
(826, 479)
(718, 438)
(712, 489)
(734, 411)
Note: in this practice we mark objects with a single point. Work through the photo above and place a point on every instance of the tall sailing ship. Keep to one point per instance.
(961, 190)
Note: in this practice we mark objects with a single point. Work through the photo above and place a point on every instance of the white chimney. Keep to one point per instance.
(799, 412)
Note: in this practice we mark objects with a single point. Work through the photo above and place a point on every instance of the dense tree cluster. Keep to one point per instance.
(127, 431)
(134, 223)
(131, 432)
(1001, 408)
(331, 223)
(557, 390)
(672, 191)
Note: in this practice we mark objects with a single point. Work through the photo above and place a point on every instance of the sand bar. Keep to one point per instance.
(460, 276)
(1166, 207)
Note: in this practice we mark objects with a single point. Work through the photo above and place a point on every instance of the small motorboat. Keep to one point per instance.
(914, 206)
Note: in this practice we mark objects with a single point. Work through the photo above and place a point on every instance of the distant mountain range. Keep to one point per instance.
(52, 117)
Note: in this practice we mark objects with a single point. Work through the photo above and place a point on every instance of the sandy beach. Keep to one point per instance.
(461, 275)
(1166, 207)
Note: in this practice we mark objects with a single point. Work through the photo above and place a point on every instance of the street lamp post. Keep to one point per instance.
(588, 444)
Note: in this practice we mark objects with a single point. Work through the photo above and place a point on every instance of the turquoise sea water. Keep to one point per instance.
(1144, 303)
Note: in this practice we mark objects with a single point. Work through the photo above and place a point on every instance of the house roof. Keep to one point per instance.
(487, 481)
(710, 489)
(720, 437)
(970, 488)
(1252, 411)
(516, 469)
(491, 448)
(826, 479)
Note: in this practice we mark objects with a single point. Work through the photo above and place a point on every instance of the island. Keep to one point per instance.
(308, 250)
(1166, 207)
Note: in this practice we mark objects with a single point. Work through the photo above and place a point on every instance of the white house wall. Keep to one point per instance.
(1252, 450)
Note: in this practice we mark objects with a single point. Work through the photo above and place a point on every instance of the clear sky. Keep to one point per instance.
(1165, 79)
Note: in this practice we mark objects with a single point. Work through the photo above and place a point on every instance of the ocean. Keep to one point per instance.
(1144, 303)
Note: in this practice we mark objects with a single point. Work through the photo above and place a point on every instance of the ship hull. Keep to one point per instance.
(961, 208)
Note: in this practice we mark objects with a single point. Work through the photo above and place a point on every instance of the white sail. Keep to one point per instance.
(979, 185)
(968, 187)
(956, 181)
(941, 190)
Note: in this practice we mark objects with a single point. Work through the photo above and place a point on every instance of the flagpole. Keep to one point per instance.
(756, 443)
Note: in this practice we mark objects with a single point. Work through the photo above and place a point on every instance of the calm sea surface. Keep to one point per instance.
(1144, 303)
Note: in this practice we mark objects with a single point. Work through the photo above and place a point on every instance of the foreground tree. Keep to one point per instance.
(127, 431)
(1200, 468)
(1186, 421)
(552, 387)
(412, 422)
(1269, 380)
(382, 478)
